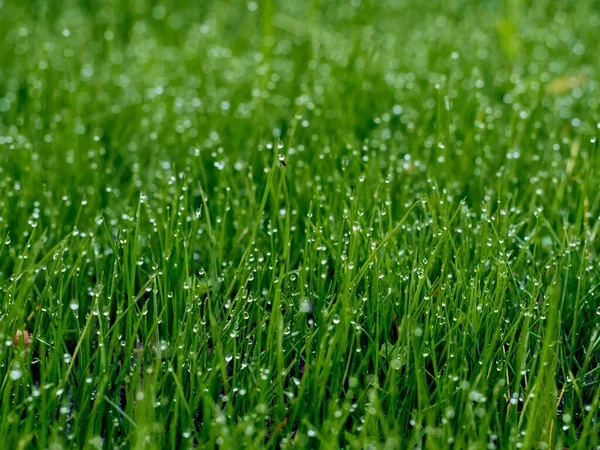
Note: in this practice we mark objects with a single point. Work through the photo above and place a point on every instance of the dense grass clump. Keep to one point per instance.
(286, 224)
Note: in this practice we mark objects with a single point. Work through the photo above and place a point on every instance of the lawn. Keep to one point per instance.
(285, 224)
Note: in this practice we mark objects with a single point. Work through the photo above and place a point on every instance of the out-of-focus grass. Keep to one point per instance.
(365, 224)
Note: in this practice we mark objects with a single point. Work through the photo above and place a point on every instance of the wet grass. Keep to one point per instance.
(366, 224)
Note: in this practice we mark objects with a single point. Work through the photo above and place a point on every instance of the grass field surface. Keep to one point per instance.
(284, 224)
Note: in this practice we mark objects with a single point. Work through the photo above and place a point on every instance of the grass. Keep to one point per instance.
(366, 224)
